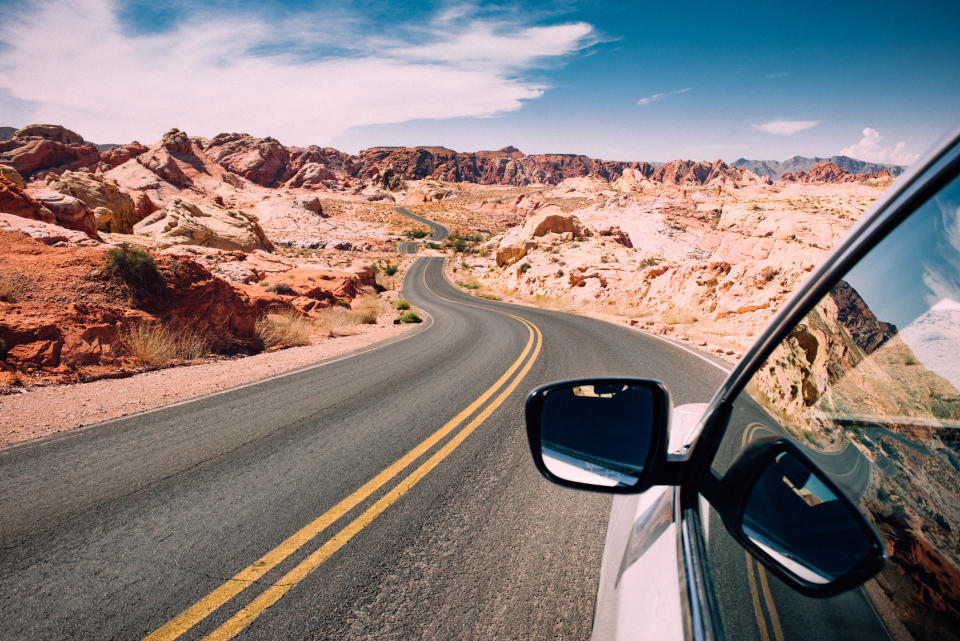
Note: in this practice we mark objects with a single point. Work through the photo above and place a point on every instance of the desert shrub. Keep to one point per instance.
(157, 344)
(410, 317)
(458, 244)
(679, 317)
(524, 268)
(769, 272)
(282, 289)
(338, 321)
(416, 233)
(342, 303)
(402, 304)
(390, 270)
(286, 330)
(433, 245)
(490, 296)
(367, 310)
(135, 268)
(7, 288)
(468, 285)
(465, 265)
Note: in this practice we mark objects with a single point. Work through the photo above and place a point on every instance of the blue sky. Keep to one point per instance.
(630, 81)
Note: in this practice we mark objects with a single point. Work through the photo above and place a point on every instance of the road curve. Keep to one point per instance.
(191, 514)
(410, 246)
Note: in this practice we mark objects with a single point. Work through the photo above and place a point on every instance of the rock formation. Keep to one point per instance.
(826, 172)
(185, 223)
(114, 208)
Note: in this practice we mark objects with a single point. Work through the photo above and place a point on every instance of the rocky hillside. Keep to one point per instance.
(826, 172)
(796, 164)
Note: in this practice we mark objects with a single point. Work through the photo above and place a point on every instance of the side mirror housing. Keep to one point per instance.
(793, 519)
(601, 434)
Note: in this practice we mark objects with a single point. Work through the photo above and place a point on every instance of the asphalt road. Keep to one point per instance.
(410, 246)
(285, 509)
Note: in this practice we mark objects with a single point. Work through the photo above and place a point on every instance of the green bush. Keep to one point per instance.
(402, 304)
(282, 289)
(432, 245)
(465, 265)
(524, 268)
(135, 268)
(416, 233)
(390, 270)
(410, 317)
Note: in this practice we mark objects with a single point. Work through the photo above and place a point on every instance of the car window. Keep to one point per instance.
(868, 384)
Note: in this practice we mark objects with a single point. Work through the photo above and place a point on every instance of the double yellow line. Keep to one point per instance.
(480, 409)
(755, 572)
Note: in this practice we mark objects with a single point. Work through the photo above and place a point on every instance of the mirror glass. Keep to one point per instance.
(599, 434)
(801, 524)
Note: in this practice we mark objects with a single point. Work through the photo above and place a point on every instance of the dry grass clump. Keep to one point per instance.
(286, 330)
(679, 316)
(157, 344)
(338, 321)
(7, 288)
(368, 309)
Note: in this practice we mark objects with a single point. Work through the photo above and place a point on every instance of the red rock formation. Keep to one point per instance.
(14, 201)
(68, 211)
(507, 166)
(56, 133)
(68, 322)
(827, 172)
(118, 155)
(36, 154)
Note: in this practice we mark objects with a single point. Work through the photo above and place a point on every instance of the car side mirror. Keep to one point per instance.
(603, 434)
(789, 515)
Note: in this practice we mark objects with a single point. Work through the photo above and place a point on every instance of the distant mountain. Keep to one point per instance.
(6, 133)
(796, 164)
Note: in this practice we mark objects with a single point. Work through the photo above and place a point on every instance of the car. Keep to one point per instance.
(817, 495)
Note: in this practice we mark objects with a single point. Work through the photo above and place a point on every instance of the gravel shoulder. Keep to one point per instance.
(48, 410)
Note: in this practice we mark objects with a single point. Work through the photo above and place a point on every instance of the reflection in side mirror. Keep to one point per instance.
(602, 434)
(796, 521)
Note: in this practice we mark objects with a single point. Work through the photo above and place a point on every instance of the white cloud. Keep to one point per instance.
(649, 99)
(870, 149)
(660, 96)
(786, 127)
(302, 80)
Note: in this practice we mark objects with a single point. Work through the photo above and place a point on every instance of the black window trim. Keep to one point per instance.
(700, 610)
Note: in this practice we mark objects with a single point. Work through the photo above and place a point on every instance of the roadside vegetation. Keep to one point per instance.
(285, 330)
(157, 344)
(135, 269)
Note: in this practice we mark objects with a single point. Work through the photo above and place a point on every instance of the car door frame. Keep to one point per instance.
(939, 165)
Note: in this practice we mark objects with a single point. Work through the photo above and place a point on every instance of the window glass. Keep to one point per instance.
(868, 384)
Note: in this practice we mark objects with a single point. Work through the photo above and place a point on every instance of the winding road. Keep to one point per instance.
(388, 494)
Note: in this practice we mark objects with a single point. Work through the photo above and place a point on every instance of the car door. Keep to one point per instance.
(862, 372)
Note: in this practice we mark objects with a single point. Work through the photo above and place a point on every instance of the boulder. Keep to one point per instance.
(551, 220)
(13, 200)
(69, 212)
(11, 174)
(56, 133)
(185, 223)
(375, 194)
(316, 284)
(509, 254)
(99, 193)
(46, 233)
